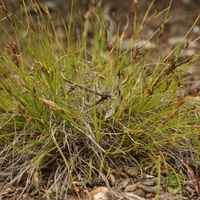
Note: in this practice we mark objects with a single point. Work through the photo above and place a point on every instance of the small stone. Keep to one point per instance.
(149, 183)
(132, 187)
(139, 192)
(131, 171)
(177, 40)
(124, 183)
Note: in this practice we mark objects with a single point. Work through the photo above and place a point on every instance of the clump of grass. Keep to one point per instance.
(69, 110)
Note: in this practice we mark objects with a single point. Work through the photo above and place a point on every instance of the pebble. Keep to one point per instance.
(177, 40)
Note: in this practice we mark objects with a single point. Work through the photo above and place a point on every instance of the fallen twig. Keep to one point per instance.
(103, 95)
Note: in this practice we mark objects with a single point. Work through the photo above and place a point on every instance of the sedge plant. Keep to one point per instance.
(69, 110)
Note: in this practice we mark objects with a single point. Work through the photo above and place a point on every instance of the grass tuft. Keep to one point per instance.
(72, 110)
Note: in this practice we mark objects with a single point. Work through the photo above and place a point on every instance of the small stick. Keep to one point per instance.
(103, 95)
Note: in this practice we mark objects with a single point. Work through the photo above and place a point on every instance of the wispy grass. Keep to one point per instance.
(71, 109)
